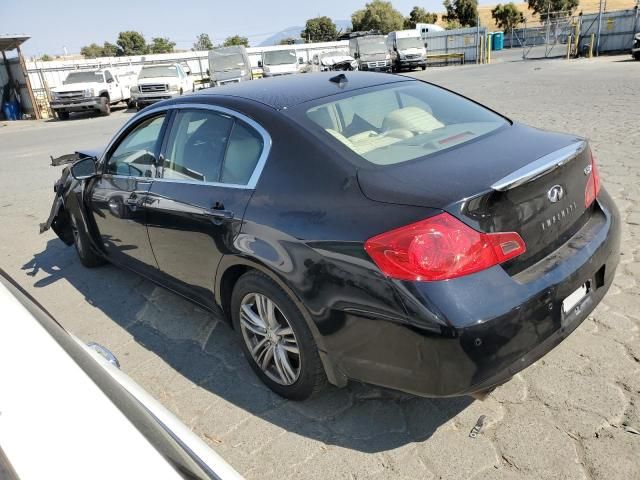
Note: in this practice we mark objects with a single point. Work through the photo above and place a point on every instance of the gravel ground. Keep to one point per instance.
(573, 414)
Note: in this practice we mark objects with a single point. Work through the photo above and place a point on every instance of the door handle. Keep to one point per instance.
(219, 214)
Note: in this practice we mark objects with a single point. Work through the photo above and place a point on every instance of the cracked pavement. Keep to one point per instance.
(575, 414)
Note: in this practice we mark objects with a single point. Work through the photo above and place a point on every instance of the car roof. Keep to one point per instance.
(288, 90)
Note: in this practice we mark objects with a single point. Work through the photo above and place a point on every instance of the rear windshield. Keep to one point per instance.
(404, 121)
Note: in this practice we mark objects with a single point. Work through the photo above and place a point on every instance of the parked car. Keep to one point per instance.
(371, 52)
(354, 226)
(407, 50)
(67, 411)
(279, 62)
(91, 90)
(333, 60)
(229, 65)
(635, 50)
(161, 82)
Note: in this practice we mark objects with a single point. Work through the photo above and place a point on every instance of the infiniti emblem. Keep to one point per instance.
(555, 193)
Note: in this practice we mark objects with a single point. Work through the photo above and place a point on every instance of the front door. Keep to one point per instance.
(196, 208)
(118, 197)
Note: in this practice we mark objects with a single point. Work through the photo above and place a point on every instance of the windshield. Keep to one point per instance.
(84, 77)
(394, 124)
(159, 71)
(279, 57)
(411, 42)
(224, 63)
(370, 46)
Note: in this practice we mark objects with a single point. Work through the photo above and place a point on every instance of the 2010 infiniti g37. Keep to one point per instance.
(360, 226)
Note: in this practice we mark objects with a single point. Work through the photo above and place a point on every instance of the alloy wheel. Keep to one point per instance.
(270, 338)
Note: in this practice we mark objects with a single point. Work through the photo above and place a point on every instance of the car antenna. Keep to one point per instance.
(339, 79)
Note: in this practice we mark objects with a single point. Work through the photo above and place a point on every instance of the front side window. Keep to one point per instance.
(211, 147)
(398, 123)
(135, 154)
(108, 77)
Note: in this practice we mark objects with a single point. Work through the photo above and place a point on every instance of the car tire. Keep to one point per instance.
(81, 242)
(636, 56)
(62, 115)
(305, 374)
(105, 107)
(424, 67)
(131, 104)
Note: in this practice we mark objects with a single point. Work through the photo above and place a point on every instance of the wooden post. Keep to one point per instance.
(32, 98)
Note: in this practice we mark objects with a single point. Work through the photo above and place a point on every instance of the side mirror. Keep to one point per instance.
(356, 55)
(300, 60)
(260, 63)
(188, 72)
(84, 168)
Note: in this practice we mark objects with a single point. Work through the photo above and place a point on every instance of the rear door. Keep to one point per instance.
(118, 196)
(211, 161)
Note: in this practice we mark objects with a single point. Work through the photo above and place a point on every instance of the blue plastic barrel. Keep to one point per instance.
(497, 41)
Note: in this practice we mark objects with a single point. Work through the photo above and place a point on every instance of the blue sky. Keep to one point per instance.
(51, 22)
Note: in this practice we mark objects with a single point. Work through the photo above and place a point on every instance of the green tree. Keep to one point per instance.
(236, 40)
(452, 25)
(46, 57)
(419, 15)
(507, 16)
(203, 42)
(464, 11)
(91, 51)
(552, 8)
(319, 29)
(131, 43)
(161, 45)
(109, 50)
(287, 41)
(377, 15)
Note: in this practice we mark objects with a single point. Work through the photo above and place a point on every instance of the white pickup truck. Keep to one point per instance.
(95, 90)
(161, 82)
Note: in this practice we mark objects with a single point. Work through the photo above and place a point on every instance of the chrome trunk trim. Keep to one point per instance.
(539, 167)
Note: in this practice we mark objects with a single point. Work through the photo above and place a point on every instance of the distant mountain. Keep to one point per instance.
(294, 32)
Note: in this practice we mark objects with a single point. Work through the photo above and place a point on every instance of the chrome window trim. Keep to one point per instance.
(257, 171)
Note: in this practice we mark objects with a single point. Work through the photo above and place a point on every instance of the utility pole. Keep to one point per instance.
(599, 29)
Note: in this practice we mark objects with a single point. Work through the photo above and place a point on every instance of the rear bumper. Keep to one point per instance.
(474, 332)
(93, 103)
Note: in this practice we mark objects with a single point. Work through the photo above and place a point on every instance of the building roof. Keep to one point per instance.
(11, 42)
(288, 90)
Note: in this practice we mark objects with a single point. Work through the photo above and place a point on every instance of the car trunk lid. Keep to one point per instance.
(517, 180)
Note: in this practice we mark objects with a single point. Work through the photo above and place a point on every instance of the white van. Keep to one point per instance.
(407, 50)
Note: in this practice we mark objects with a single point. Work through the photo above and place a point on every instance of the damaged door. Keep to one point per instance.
(118, 198)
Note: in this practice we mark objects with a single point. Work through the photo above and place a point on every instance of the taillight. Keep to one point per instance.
(440, 248)
(593, 183)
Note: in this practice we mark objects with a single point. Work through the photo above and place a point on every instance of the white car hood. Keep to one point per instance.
(156, 80)
(286, 68)
(73, 87)
(328, 61)
(413, 51)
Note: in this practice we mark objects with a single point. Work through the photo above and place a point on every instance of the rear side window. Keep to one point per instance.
(211, 146)
(402, 122)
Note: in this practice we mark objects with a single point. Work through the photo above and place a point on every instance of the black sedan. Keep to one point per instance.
(354, 226)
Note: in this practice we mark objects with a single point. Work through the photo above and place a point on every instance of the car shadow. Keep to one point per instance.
(203, 349)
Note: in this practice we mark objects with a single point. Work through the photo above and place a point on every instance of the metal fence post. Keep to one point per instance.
(599, 29)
